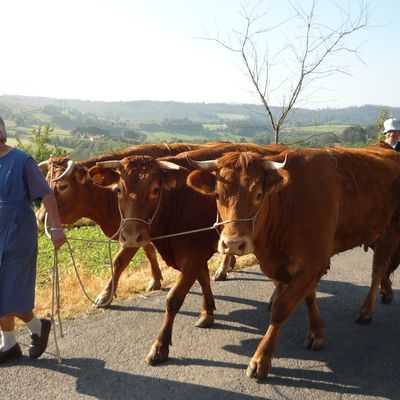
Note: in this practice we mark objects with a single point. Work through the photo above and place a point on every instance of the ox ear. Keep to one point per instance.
(174, 178)
(275, 180)
(202, 181)
(81, 174)
(103, 176)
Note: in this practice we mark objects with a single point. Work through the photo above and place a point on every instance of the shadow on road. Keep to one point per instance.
(357, 360)
(93, 378)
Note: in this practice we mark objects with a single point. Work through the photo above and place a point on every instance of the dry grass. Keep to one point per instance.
(132, 283)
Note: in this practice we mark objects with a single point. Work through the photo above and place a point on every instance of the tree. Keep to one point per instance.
(354, 134)
(383, 115)
(38, 144)
(133, 136)
(307, 57)
(372, 133)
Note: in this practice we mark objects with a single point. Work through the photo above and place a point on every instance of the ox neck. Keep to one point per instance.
(103, 209)
(270, 235)
(162, 219)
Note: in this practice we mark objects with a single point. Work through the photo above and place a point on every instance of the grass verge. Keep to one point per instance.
(93, 264)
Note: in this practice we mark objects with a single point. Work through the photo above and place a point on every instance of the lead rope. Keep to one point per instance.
(55, 298)
(150, 221)
(215, 225)
(55, 303)
(55, 295)
(55, 292)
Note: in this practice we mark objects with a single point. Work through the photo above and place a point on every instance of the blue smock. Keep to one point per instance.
(18, 236)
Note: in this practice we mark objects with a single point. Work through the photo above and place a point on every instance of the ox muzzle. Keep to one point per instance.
(133, 235)
(238, 246)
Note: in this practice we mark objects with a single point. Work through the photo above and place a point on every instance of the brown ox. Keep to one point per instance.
(155, 201)
(295, 218)
(214, 151)
(386, 284)
(77, 197)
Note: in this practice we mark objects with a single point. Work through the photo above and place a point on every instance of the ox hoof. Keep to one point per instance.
(386, 298)
(205, 321)
(220, 276)
(254, 370)
(102, 301)
(363, 320)
(157, 355)
(153, 285)
(314, 344)
(232, 263)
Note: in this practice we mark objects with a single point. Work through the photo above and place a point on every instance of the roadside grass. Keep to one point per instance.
(93, 264)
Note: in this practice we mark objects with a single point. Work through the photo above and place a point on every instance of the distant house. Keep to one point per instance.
(93, 138)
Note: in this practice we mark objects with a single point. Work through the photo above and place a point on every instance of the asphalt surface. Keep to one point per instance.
(103, 354)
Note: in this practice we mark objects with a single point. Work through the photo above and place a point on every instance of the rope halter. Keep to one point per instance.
(231, 221)
(147, 222)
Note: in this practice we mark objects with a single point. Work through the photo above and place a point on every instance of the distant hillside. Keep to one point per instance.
(156, 111)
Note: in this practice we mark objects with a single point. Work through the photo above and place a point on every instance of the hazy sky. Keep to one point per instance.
(150, 50)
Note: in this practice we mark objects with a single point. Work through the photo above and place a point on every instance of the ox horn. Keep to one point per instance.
(274, 165)
(44, 165)
(67, 172)
(113, 164)
(169, 165)
(204, 165)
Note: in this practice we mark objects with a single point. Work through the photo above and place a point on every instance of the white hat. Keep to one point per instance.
(391, 124)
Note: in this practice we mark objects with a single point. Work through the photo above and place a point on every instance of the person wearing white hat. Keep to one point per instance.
(391, 129)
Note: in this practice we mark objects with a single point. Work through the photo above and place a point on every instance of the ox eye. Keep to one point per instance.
(259, 196)
(62, 186)
(155, 191)
(216, 195)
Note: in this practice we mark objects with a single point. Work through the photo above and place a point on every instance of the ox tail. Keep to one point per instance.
(394, 260)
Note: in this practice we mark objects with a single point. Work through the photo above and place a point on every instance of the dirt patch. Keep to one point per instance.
(133, 282)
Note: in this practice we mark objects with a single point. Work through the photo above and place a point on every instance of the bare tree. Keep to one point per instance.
(314, 53)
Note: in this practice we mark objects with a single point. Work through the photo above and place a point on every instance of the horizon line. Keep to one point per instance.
(191, 102)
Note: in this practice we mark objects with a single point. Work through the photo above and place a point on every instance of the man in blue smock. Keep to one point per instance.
(391, 129)
(21, 182)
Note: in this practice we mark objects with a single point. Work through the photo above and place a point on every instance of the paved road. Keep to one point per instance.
(103, 353)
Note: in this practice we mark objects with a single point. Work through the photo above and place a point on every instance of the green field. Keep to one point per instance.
(215, 127)
(336, 129)
(311, 135)
(156, 137)
(89, 257)
(287, 135)
(232, 117)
